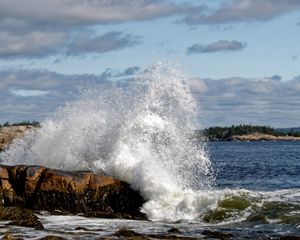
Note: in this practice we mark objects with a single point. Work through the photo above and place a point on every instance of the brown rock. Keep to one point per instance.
(16, 213)
(9, 236)
(9, 133)
(263, 137)
(31, 223)
(20, 217)
(41, 188)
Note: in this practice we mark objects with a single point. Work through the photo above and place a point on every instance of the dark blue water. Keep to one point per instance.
(260, 166)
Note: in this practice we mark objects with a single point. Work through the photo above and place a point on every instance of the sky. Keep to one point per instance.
(242, 56)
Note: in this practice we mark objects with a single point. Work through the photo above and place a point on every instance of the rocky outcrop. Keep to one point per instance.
(263, 137)
(40, 188)
(20, 217)
(9, 133)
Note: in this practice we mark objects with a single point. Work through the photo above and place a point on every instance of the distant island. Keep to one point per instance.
(244, 132)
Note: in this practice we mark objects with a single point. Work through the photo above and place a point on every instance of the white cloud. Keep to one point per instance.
(268, 101)
(28, 92)
(34, 94)
(37, 28)
(32, 44)
(77, 12)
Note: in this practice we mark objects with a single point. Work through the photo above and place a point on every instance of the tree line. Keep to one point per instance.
(225, 133)
(23, 123)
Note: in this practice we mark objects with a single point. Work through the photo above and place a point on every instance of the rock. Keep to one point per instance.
(40, 188)
(52, 238)
(32, 223)
(109, 214)
(20, 217)
(81, 229)
(9, 236)
(174, 230)
(217, 235)
(16, 213)
(289, 237)
(263, 137)
(173, 237)
(123, 232)
(9, 133)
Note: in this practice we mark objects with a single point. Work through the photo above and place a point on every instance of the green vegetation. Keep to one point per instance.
(23, 123)
(226, 133)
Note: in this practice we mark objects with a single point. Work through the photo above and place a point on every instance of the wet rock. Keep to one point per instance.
(20, 217)
(52, 238)
(123, 232)
(174, 237)
(9, 236)
(16, 213)
(257, 218)
(109, 214)
(174, 230)
(81, 229)
(289, 238)
(217, 235)
(40, 188)
(32, 223)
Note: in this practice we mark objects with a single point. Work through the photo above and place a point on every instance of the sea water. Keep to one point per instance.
(142, 131)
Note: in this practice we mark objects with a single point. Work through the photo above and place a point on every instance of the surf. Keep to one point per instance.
(140, 130)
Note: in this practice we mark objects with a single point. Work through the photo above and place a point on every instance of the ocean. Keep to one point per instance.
(141, 131)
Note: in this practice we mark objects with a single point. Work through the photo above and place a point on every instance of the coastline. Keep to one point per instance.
(255, 137)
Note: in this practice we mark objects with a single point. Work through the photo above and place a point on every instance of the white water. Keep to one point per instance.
(139, 131)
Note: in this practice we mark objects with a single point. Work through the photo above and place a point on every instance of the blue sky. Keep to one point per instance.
(243, 56)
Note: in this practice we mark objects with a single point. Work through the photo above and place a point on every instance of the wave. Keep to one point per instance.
(140, 131)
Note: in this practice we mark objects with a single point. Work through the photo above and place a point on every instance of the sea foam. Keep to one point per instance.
(140, 131)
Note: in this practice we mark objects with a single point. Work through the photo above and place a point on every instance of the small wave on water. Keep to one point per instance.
(141, 131)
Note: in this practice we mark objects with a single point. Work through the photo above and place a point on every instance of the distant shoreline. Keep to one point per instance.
(255, 137)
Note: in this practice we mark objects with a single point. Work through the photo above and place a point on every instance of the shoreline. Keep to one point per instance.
(254, 137)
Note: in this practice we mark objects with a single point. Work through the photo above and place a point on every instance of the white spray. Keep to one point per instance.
(139, 131)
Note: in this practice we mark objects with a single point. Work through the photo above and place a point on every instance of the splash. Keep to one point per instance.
(139, 131)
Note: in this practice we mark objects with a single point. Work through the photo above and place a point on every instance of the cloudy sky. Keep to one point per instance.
(243, 56)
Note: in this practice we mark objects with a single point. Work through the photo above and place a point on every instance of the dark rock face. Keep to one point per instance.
(41, 188)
